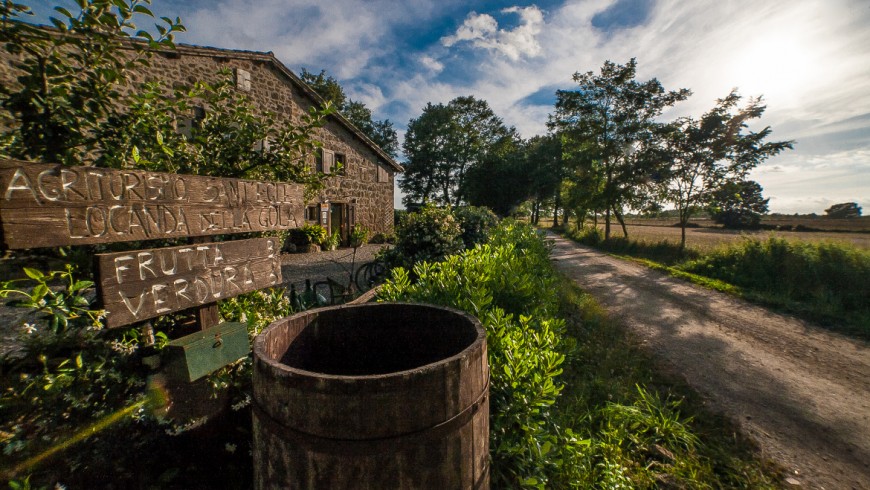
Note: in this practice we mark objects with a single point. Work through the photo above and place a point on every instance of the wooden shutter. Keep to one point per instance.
(328, 158)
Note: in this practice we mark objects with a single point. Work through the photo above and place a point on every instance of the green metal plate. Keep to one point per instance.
(196, 355)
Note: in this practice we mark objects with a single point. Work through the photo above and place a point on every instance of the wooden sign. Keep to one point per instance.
(47, 205)
(142, 284)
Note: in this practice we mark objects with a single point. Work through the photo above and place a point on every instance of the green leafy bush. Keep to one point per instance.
(70, 372)
(509, 285)
(315, 234)
(429, 234)
(475, 223)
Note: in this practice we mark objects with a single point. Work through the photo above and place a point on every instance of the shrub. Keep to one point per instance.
(475, 223)
(379, 238)
(510, 286)
(315, 234)
(430, 234)
(587, 235)
(829, 278)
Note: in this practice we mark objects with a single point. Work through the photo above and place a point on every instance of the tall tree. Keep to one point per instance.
(444, 143)
(738, 204)
(381, 132)
(501, 180)
(583, 181)
(610, 116)
(326, 87)
(708, 153)
(546, 170)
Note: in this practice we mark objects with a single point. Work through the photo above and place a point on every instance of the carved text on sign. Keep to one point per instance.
(50, 205)
(142, 284)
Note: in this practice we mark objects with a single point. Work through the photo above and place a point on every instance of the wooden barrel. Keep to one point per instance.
(384, 395)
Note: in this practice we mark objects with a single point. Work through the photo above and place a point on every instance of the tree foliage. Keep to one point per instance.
(501, 180)
(844, 210)
(607, 123)
(232, 138)
(738, 204)
(382, 133)
(71, 77)
(444, 143)
(716, 150)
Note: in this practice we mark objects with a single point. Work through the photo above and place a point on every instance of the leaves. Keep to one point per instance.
(70, 81)
(508, 284)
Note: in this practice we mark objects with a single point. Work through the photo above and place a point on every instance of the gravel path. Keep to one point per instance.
(801, 392)
(334, 264)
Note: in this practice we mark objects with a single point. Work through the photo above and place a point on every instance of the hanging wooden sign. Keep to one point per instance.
(142, 284)
(47, 205)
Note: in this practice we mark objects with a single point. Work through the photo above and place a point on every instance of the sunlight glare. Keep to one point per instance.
(775, 64)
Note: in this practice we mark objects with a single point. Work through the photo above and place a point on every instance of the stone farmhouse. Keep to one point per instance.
(361, 193)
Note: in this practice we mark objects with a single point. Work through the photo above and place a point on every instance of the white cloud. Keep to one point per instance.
(482, 31)
(432, 64)
(343, 36)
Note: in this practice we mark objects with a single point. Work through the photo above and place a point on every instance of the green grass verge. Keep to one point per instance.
(645, 427)
(825, 283)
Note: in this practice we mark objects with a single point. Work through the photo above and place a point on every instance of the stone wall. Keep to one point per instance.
(273, 89)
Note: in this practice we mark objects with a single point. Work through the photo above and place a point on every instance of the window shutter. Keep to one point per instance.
(328, 158)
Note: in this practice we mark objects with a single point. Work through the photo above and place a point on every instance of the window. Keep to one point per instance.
(311, 213)
(325, 160)
(187, 125)
(340, 164)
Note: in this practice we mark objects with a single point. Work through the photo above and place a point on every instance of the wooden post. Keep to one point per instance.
(206, 315)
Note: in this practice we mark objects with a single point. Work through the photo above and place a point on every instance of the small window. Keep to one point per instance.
(340, 164)
(185, 126)
(325, 160)
(311, 213)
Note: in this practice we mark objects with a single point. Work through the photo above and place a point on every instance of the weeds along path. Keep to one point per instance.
(803, 394)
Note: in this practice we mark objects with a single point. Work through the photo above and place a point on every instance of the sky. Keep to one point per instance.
(809, 59)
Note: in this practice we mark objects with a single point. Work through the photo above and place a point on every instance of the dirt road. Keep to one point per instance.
(802, 393)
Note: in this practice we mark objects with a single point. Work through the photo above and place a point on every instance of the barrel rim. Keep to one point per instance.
(277, 366)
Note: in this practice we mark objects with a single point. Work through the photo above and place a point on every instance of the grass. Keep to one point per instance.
(704, 237)
(824, 282)
(645, 428)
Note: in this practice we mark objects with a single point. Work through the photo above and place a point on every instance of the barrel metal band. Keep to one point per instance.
(370, 446)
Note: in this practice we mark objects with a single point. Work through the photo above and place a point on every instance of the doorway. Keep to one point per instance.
(339, 221)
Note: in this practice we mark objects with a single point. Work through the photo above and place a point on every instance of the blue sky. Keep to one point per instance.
(810, 60)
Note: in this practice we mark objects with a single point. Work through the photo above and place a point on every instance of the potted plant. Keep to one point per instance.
(358, 236)
(330, 242)
(315, 235)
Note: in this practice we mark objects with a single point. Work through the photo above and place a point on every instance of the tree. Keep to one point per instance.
(605, 121)
(501, 180)
(71, 76)
(844, 210)
(326, 86)
(444, 143)
(545, 169)
(382, 133)
(712, 152)
(738, 204)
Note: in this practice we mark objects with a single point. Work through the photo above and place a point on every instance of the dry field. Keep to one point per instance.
(709, 236)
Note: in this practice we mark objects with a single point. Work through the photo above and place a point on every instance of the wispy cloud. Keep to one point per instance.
(482, 31)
